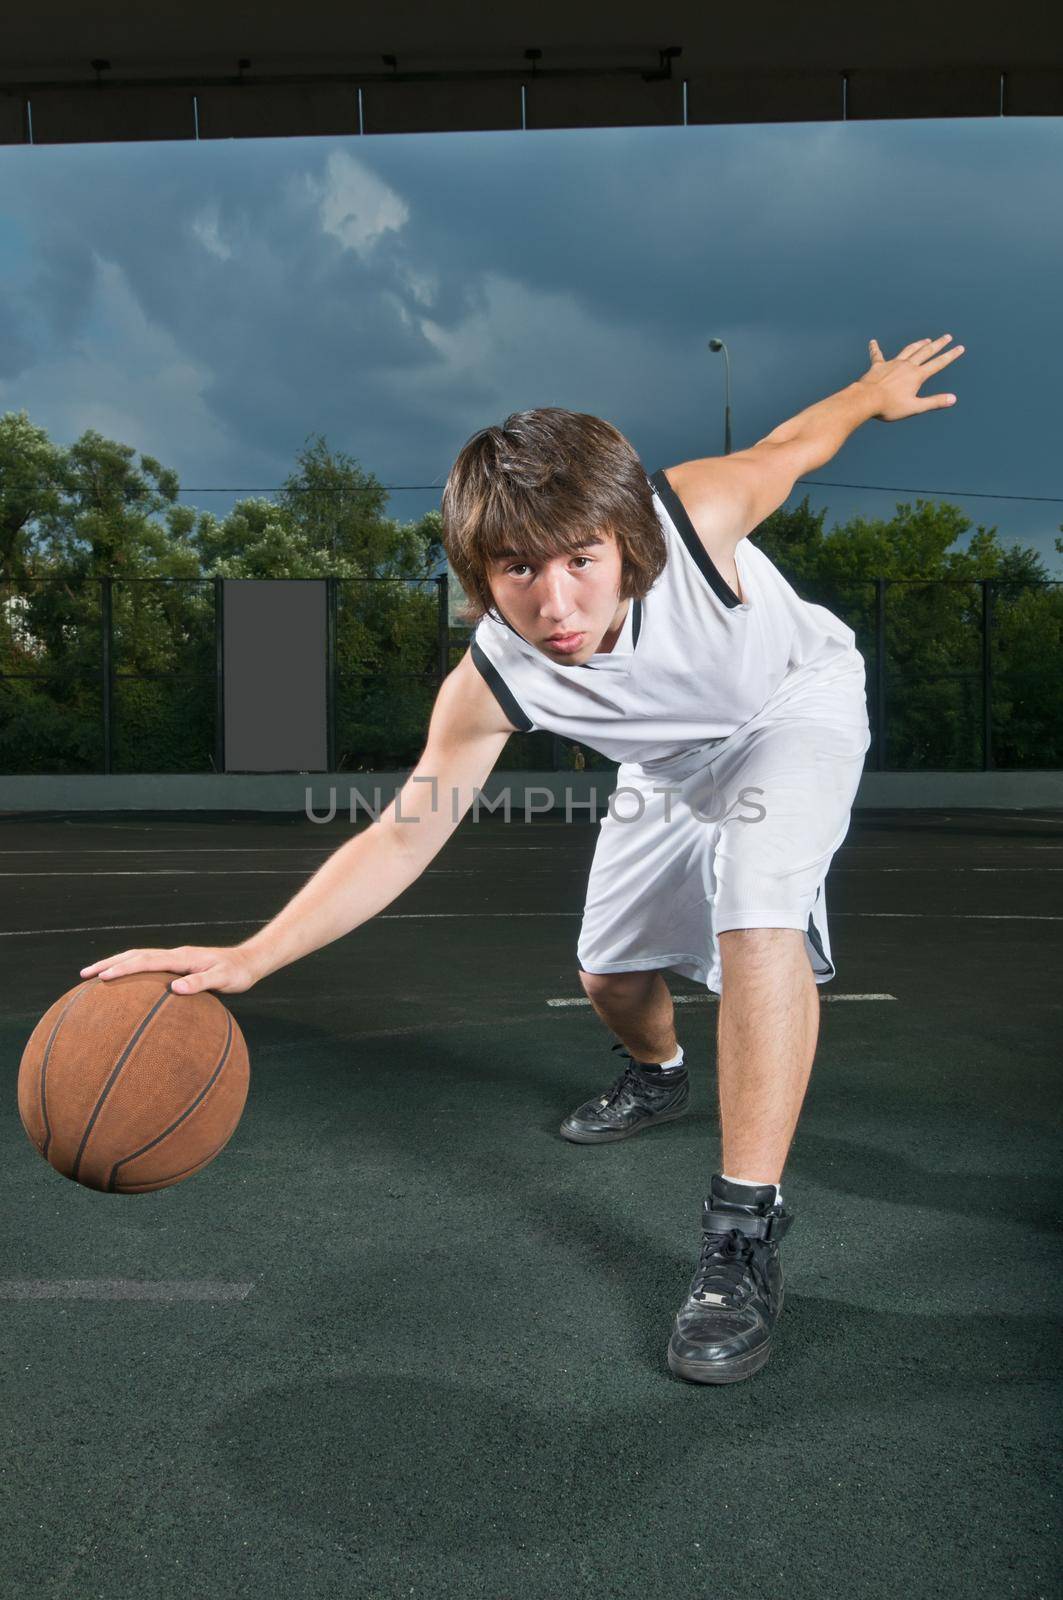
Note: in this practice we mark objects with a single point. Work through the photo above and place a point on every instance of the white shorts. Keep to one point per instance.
(775, 804)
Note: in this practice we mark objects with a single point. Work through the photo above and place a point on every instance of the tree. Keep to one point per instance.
(112, 517)
(71, 517)
(934, 628)
(337, 509)
(30, 468)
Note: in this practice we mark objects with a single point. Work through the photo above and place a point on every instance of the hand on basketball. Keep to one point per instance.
(227, 969)
(896, 383)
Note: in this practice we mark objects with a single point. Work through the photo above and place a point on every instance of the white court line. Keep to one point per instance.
(515, 916)
(259, 922)
(710, 999)
(120, 1289)
(1022, 817)
(958, 916)
(429, 872)
(460, 844)
(269, 872)
(235, 849)
(167, 872)
(261, 849)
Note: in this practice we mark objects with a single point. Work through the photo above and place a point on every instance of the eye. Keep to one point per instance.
(517, 565)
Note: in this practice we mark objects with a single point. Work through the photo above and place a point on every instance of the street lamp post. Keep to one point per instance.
(718, 344)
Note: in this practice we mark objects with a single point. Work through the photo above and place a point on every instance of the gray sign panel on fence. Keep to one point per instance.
(275, 675)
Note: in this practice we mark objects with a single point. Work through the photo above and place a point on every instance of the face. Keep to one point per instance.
(575, 595)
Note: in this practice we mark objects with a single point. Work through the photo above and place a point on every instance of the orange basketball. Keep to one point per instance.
(125, 1086)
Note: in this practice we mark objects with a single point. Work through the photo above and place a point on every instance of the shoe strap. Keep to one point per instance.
(772, 1226)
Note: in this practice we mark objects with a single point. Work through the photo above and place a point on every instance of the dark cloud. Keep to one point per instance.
(17, 349)
(221, 301)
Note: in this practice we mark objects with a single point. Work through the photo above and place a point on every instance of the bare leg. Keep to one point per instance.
(637, 1006)
(767, 1031)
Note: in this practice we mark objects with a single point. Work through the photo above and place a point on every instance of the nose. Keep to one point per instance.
(556, 605)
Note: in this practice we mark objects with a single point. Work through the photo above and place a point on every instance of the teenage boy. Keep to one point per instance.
(631, 613)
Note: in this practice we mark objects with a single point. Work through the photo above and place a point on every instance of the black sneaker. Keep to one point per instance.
(635, 1101)
(723, 1329)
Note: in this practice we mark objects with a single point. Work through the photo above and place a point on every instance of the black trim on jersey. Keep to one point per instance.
(688, 533)
(500, 689)
(636, 625)
(817, 944)
(636, 628)
(496, 616)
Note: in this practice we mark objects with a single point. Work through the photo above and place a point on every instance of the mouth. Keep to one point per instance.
(565, 642)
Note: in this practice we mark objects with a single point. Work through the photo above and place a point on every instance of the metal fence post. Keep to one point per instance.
(330, 672)
(219, 675)
(443, 618)
(987, 674)
(106, 643)
(880, 674)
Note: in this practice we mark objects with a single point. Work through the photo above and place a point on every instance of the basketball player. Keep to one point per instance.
(632, 614)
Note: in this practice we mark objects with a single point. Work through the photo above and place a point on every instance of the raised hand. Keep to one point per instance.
(896, 383)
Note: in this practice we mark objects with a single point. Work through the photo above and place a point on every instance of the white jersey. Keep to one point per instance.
(694, 662)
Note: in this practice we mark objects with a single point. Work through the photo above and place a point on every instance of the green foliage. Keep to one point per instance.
(71, 516)
(933, 629)
(387, 651)
(30, 472)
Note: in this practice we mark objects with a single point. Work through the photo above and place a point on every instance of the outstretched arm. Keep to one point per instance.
(888, 390)
(465, 738)
(729, 496)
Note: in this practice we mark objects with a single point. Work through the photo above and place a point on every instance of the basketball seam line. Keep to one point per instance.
(170, 1178)
(186, 1113)
(109, 1085)
(44, 1064)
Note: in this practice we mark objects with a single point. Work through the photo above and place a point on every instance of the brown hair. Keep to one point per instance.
(538, 484)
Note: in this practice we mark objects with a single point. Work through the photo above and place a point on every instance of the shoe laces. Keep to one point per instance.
(728, 1262)
(631, 1073)
(629, 1079)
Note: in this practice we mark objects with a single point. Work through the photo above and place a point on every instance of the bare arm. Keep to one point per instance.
(466, 736)
(727, 497)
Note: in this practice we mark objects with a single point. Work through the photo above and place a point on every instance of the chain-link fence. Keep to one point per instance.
(125, 674)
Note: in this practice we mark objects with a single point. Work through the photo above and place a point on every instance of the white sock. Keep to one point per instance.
(751, 1185)
(667, 1066)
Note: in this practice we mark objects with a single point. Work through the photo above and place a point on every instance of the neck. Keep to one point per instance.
(615, 629)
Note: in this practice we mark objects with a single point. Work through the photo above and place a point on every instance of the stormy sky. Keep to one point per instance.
(214, 303)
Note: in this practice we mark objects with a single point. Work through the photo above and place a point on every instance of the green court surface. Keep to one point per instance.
(400, 1338)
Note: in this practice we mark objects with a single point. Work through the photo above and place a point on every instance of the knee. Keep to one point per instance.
(619, 985)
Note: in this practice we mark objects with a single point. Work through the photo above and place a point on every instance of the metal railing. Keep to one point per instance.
(126, 674)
